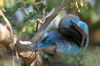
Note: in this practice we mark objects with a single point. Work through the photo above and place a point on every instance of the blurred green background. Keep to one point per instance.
(23, 15)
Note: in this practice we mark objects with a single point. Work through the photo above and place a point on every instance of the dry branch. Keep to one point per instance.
(46, 22)
(5, 32)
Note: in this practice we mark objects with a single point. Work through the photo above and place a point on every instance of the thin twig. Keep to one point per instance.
(37, 25)
(42, 8)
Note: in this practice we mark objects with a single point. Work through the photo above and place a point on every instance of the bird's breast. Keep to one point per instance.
(67, 47)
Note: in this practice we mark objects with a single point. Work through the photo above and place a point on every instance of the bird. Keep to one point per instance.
(70, 38)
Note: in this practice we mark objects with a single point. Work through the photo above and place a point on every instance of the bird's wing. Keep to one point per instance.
(74, 32)
(71, 34)
(81, 32)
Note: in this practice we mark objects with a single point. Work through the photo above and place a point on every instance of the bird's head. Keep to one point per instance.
(72, 20)
(72, 26)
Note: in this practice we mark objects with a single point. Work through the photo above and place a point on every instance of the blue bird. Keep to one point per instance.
(70, 38)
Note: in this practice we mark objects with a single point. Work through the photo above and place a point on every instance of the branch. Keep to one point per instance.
(6, 21)
(47, 21)
(6, 31)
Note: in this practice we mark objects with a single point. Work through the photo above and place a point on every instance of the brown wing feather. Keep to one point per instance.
(80, 32)
(74, 32)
